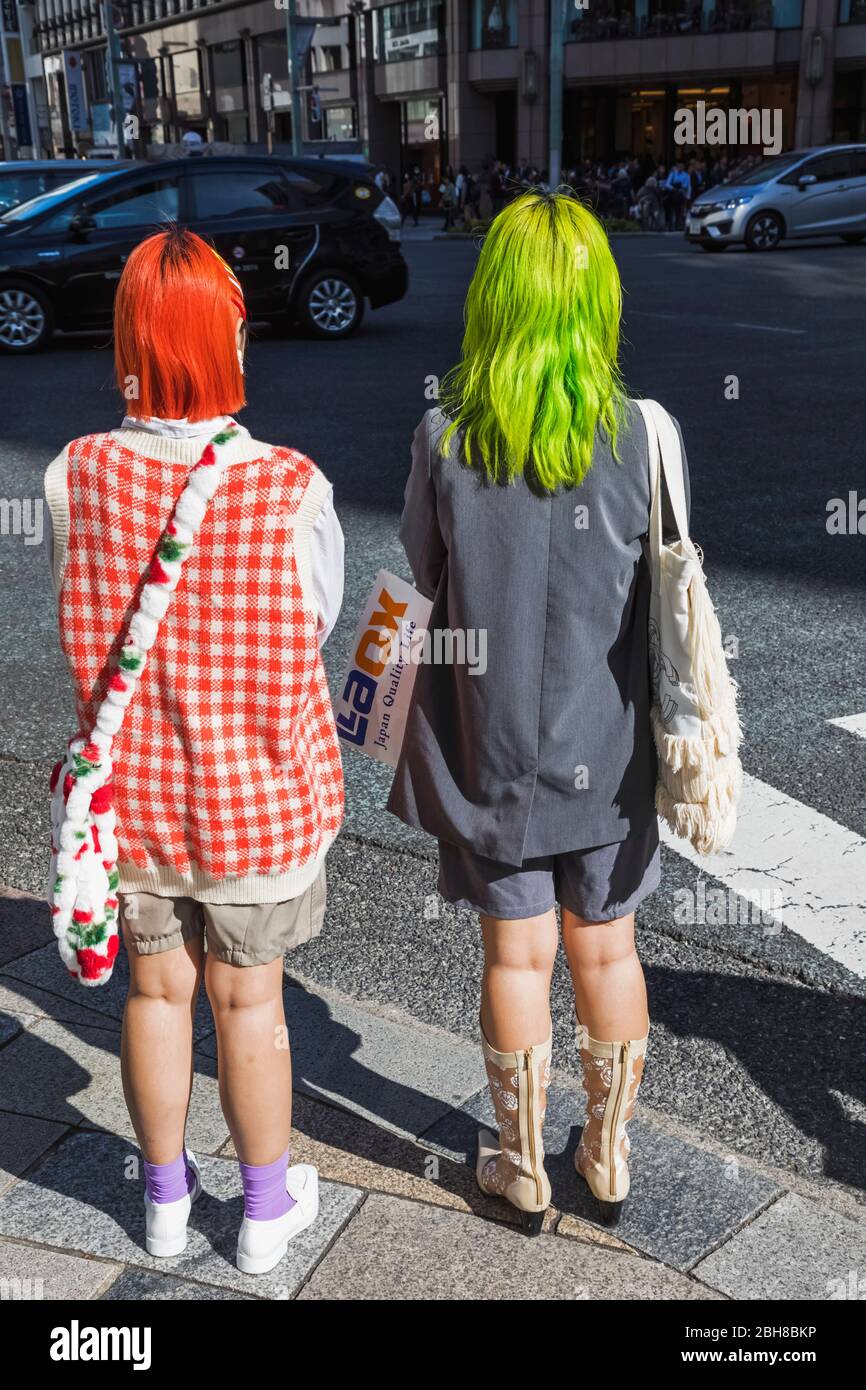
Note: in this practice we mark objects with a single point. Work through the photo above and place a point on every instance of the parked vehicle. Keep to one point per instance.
(309, 239)
(807, 193)
(22, 179)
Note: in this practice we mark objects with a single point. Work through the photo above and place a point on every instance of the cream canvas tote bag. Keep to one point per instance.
(694, 716)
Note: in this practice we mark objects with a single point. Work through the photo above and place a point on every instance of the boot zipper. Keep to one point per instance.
(530, 1125)
(622, 1079)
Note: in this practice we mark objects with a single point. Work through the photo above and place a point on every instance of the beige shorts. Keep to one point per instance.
(240, 934)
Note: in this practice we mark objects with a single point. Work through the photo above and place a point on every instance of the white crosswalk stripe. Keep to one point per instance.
(816, 867)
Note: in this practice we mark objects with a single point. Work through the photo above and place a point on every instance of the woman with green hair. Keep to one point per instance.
(533, 763)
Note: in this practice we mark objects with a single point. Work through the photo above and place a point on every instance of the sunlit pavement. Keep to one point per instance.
(753, 1092)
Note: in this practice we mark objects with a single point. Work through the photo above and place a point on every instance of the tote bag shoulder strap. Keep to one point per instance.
(665, 461)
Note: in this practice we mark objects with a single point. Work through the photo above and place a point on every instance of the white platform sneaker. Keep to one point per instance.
(165, 1222)
(262, 1244)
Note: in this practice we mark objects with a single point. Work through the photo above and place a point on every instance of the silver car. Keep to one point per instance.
(807, 193)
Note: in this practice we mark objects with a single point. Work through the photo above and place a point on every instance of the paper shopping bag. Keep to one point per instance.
(376, 694)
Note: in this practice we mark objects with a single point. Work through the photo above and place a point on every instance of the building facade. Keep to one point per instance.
(423, 83)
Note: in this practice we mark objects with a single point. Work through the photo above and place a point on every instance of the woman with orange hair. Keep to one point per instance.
(207, 689)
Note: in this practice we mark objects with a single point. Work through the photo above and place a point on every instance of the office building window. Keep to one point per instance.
(494, 24)
(852, 11)
(611, 19)
(412, 29)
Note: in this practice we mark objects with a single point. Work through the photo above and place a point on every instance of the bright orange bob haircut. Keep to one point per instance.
(175, 330)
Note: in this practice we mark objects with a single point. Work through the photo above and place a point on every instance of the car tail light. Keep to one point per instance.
(389, 215)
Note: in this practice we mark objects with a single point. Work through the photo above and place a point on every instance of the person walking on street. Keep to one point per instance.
(679, 189)
(408, 204)
(448, 198)
(226, 802)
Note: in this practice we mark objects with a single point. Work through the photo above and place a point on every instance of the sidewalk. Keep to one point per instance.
(387, 1109)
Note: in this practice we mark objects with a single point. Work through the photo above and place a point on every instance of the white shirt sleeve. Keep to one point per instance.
(326, 557)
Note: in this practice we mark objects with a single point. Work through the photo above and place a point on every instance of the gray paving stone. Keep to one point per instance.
(71, 1073)
(29, 1274)
(44, 970)
(25, 923)
(394, 1248)
(402, 1078)
(24, 999)
(22, 1140)
(138, 1285)
(795, 1250)
(683, 1201)
(79, 1199)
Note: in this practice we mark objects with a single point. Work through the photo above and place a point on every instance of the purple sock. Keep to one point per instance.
(265, 1195)
(168, 1182)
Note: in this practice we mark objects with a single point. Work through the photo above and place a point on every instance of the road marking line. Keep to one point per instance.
(854, 723)
(710, 323)
(816, 867)
(767, 328)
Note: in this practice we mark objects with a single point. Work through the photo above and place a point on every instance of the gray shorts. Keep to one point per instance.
(597, 884)
(240, 934)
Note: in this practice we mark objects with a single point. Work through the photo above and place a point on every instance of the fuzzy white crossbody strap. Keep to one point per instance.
(84, 845)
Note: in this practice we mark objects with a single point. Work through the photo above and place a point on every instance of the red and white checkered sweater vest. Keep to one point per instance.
(228, 783)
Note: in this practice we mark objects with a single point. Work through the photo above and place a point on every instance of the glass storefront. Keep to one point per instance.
(422, 143)
(608, 123)
(339, 122)
(493, 24)
(849, 105)
(852, 11)
(272, 58)
(411, 29)
(230, 92)
(611, 19)
(188, 96)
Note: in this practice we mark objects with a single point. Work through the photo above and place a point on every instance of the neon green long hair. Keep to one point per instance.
(538, 373)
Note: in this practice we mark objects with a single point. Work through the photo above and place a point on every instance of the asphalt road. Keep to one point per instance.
(759, 1035)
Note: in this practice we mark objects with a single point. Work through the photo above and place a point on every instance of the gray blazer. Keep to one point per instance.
(550, 749)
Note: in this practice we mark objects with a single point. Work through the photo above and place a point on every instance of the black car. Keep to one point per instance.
(21, 179)
(309, 239)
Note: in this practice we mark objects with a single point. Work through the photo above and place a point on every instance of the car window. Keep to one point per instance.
(827, 168)
(235, 193)
(17, 188)
(312, 187)
(34, 207)
(140, 205)
(858, 163)
(768, 169)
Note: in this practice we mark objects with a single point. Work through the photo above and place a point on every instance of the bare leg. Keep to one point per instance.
(609, 985)
(515, 986)
(255, 1068)
(156, 1046)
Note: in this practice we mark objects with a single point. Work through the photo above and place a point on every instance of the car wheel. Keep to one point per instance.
(852, 238)
(715, 246)
(330, 304)
(764, 232)
(26, 320)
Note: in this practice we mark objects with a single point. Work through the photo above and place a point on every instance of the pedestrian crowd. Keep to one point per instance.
(655, 194)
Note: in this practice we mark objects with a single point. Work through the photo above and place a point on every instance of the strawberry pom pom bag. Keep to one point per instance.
(84, 876)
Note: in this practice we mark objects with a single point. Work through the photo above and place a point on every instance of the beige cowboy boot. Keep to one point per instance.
(512, 1164)
(611, 1076)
